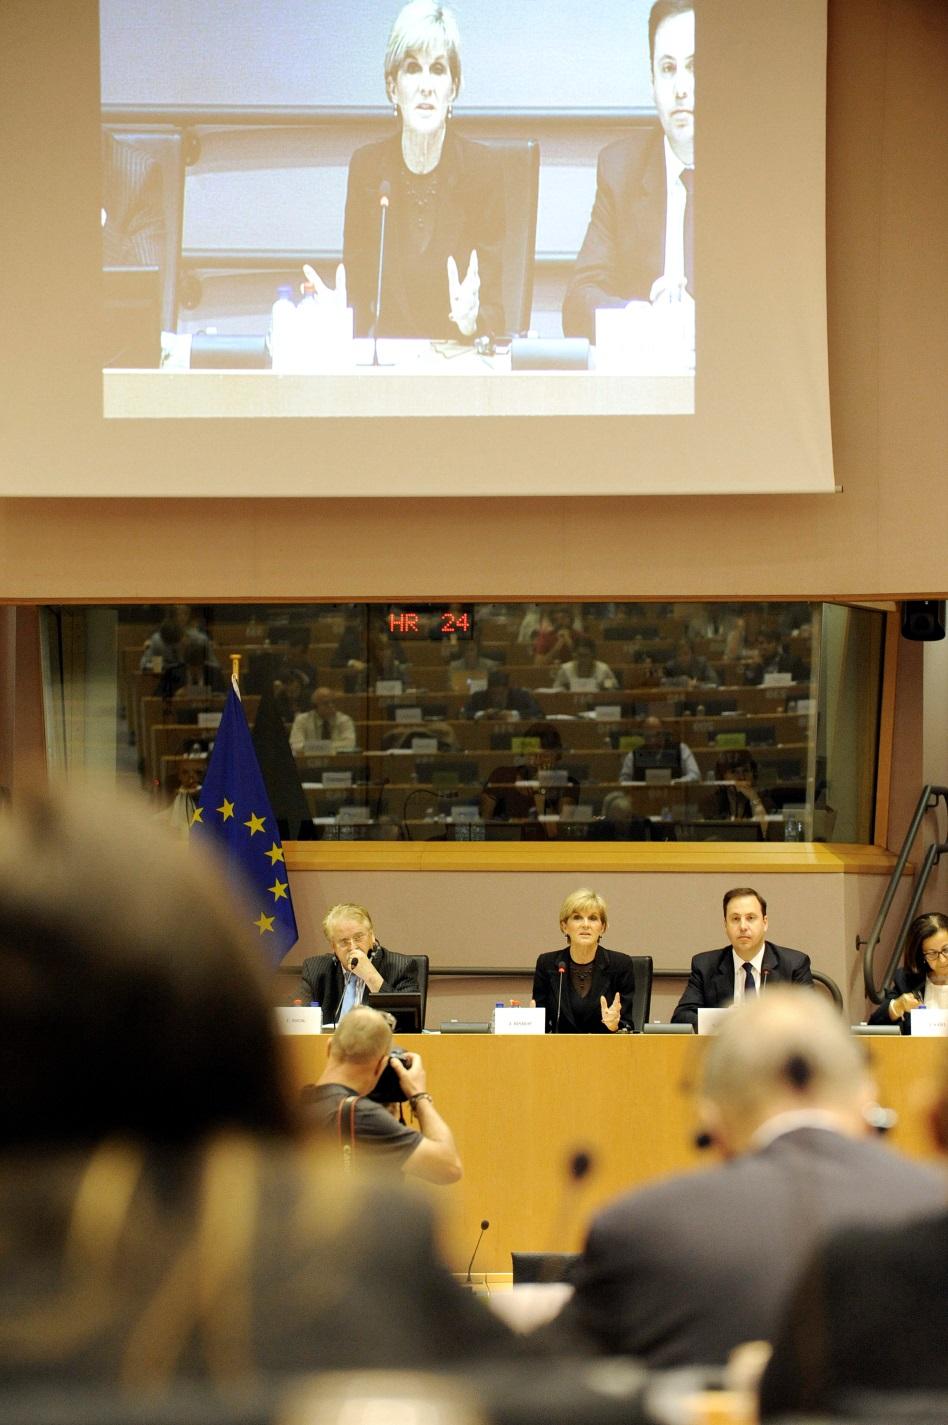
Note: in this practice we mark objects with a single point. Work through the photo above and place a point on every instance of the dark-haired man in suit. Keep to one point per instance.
(748, 965)
(640, 240)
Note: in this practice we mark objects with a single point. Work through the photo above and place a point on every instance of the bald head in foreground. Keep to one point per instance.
(682, 1272)
(862, 1282)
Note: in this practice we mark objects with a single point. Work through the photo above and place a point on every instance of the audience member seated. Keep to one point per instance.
(659, 749)
(324, 724)
(193, 677)
(297, 658)
(499, 700)
(922, 978)
(743, 968)
(163, 1223)
(739, 799)
(468, 658)
(171, 638)
(618, 821)
(556, 630)
(522, 793)
(371, 650)
(676, 1273)
(773, 656)
(584, 988)
(358, 965)
(585, 668)
(866, 1284)
(688, 669)
(358, 1053)
(290, 694)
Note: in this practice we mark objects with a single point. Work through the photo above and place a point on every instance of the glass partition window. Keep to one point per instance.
(618, 721)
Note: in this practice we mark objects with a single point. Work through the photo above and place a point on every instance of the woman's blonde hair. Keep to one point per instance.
(423, 27)
(583, 900)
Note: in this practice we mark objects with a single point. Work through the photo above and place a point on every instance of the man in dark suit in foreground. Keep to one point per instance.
(682, 1272)
(863, 1285)
(750, 963)
(639, 243)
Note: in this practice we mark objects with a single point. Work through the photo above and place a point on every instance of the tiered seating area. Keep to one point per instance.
(421, 766)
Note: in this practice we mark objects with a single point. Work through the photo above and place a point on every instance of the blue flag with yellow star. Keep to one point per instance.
(233, 810)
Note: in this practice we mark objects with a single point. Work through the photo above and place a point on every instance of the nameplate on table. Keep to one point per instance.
(709, 1020)
(299, 1019)
(519, 1019)
(388, 687)
(209, 719)
(408, 715)
(352, 816)
(337, 779)
(465, 813)
(929, 1023)
(608, 713)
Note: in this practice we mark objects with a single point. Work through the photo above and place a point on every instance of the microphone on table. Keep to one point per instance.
(561, 971)
(353, 962)
(467, 1280)
(385, 194)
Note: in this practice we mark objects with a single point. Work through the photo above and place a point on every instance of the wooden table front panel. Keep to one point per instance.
(521, 1106)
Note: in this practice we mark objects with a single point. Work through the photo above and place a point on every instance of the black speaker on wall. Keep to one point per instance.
(923, 620)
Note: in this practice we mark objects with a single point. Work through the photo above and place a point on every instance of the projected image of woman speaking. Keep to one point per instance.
(441, 266)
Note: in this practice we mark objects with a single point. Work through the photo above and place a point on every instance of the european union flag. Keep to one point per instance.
(234, 811)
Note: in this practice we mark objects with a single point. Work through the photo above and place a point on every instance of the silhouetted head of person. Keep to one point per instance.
(131, 1004)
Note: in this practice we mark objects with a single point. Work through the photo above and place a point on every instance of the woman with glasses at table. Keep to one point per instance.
(444, 199)
(922, 978)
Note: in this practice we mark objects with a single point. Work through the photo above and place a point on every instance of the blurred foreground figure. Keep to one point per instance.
(682, 1272)
(864, 1280)
(160, 1222)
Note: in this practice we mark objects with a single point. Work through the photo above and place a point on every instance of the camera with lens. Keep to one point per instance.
(389, 1087)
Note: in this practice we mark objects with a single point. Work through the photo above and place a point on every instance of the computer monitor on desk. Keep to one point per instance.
(405, 1007)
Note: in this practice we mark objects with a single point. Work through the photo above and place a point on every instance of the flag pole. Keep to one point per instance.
(235, 672)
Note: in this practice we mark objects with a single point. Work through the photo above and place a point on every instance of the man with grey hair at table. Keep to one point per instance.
(682, 1272)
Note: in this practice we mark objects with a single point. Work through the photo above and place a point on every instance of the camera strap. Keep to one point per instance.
(345, 1132)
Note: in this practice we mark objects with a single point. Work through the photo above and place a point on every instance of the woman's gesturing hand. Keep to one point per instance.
(465, 296)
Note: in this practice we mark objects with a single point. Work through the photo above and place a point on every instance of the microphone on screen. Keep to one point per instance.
(484, 1226)
(561, 971)
(385, 195)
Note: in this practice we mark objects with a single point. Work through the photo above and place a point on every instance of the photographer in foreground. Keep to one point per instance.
(359, 1052)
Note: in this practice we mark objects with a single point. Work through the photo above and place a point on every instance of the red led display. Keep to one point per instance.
(430, 621)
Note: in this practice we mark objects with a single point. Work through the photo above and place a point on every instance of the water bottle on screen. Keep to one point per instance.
(283, 330)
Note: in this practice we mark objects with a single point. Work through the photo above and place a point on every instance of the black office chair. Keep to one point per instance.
(165, 145)
(422, 962)
(520, 161)
(642, 1001)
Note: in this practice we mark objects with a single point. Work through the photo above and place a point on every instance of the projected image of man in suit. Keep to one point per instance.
(639, 245)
